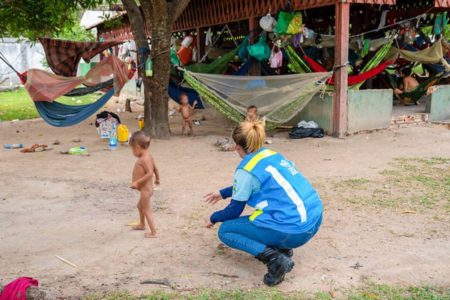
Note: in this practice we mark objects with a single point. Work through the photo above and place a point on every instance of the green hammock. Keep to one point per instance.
(218, 66)
(420, 91)
(297, 63)
(374, 61)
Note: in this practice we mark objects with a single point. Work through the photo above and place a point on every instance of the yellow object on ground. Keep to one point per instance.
(122, 133)
(141, 123)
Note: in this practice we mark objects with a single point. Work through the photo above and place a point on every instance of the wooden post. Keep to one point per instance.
(200, 43)
(253, 28)
(340, 100)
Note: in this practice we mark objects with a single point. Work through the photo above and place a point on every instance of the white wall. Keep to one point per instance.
(23, 55)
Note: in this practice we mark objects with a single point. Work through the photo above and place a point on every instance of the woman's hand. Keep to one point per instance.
(208, 224)
(212, 198)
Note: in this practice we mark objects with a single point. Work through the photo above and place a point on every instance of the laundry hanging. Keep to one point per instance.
(46, 86)
(63, 56)
(278, 98)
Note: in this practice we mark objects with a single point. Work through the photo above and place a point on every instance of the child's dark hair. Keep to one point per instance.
(182, 94)
(252, 107)
(141, 139)
(249, 135)
(407, 71)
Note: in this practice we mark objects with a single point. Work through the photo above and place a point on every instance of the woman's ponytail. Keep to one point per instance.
(250, 136)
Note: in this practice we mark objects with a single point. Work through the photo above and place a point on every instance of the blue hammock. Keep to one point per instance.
(175, 91)
(63, 115)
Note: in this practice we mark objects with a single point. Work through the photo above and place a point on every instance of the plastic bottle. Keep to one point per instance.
(113, 138)
(13, 146)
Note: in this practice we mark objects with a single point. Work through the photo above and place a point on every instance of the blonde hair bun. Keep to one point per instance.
(251, 135)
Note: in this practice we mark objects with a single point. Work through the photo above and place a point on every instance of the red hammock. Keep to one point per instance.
(352, 79)
(361, 77)
(315, 66)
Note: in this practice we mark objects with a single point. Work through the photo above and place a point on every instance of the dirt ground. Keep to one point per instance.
(78, 208)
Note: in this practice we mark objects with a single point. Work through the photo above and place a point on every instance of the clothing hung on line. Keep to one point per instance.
(63, 56)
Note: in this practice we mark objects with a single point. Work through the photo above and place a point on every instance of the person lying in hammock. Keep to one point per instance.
(409, 83)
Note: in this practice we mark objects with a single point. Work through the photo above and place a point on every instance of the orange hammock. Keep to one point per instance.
(352, 79)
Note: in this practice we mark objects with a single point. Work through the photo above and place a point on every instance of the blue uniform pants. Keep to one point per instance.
(243, 235)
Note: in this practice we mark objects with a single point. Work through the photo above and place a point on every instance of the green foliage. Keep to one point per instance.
(17, 105)
(75, 33)
(33, 19)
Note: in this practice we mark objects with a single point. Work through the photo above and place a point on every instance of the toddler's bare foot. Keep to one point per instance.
(138, 227)
(150, 235)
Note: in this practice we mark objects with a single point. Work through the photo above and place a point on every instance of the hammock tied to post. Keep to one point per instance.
(278, 98)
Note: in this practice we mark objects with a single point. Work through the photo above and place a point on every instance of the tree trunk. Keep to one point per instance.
(159, 16)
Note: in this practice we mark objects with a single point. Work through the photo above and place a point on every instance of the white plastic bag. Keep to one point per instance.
(268, 23)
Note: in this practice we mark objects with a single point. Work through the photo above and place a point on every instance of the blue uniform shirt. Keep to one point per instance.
(244, 185)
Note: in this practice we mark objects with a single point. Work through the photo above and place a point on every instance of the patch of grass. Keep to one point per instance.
(17, 105)
(410, 184)
(385, 292)
(371, 292)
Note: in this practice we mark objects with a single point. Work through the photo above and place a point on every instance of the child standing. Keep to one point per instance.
(186, 111)
(252, 115)
(143, 171)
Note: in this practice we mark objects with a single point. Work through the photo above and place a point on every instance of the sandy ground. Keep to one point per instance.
(79, 208)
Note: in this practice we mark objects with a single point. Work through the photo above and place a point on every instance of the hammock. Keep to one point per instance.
(278, 98)
(46, 86)
(90, 89)
(421, 90)
(432, 55)
(63, 56)
(361, 77)
(315, 66)
(298, 65)
(375, 61)
(61, 115)
(175, 91)
(218, 66)
(352, 79)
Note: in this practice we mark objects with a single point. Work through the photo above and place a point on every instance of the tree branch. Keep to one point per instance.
(178, 7)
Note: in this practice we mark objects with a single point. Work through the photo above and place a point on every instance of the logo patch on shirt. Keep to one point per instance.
(290, 166)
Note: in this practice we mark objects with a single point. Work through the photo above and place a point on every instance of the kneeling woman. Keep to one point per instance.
(288, 211)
